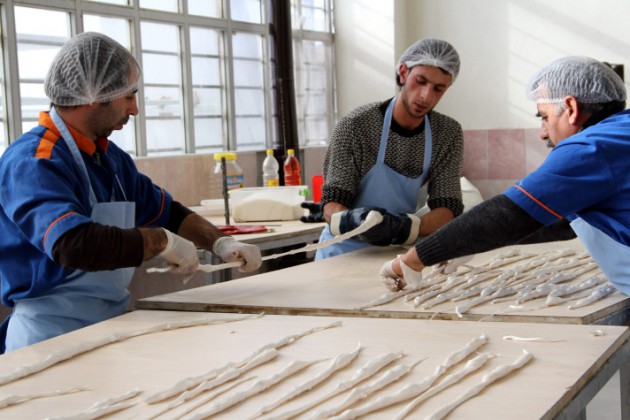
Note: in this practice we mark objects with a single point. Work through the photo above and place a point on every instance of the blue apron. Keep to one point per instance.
(610, 255)
(86, 297)
(383, 187)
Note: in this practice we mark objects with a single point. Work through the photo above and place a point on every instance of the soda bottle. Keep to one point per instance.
(270, 169)
(292, 169)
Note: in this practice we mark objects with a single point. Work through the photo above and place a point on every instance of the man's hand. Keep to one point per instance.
(181, 252)
(408, 277)
(401, 229)
(450, 266)
(229, 250)
(315, 215)
(393, 230)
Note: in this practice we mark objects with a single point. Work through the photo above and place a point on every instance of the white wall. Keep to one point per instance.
(501, 44)
(364, 52)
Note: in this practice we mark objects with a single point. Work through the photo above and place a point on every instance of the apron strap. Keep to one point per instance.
(3, 334)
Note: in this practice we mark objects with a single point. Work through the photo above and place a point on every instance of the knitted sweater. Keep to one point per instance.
(353, 150)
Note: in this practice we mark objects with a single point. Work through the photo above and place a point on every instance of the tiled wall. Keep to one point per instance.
(495, 159)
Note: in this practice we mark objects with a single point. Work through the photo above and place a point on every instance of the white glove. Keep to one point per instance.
(181, 252)
(450, 266)
(389, 279)
(394, 282)
(231, 250)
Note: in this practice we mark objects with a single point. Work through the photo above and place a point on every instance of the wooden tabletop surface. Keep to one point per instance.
(339, 286)
(565, 359)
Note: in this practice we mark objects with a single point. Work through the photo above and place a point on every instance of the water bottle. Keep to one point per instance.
(292, 169)
(234, 174)
(270, 169)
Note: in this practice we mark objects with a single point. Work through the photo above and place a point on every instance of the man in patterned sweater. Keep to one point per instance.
(381, 154)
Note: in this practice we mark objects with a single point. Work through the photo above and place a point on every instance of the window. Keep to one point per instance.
(206, 83)
(314, 70)
(162, 80)
(249, 91)
(40, 35)
(208, 93)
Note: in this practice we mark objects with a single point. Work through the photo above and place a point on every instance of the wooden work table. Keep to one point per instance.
(280, 233)
(570, 363)
(340, 285)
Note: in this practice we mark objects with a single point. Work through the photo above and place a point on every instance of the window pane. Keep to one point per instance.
(115, 28)
(120, 2)
(164, 5)
(208, 89)
(126, 138)
(162, 102)
(246, 10)
(40, 35)
(249, 103)
(161, 69)
(160, 37)
(250, 132)
(164, 108)
(209, 134)
(209, 8)
(315, 91)
(163, 137)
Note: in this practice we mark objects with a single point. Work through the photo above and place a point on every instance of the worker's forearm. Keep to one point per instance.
(199, 231)
(97, 247)
(331, 208)
(434, 220)
(492, 224)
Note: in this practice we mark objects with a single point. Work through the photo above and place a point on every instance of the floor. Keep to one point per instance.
(607, 403)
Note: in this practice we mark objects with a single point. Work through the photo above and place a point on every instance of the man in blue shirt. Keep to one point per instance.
(76, 216)
(583, 187)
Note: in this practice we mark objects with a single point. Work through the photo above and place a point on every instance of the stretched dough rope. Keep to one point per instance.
(597, 294)
(255, 388)
(372, 219)
(228, 375)
(22, 398)
(469, 367)
(336, 364)
(496, 374)
(533, 339)
(366, 371)
(104, 407)
(412, 390)
(69, 352)
(361, 392)
(190, 382)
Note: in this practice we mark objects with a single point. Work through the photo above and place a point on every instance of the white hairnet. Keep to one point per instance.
(431, 52)
(584, 78)
(89, 68)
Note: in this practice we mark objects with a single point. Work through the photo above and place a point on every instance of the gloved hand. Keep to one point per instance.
(316, 214)
(450, 266)
(394, 282)
(181, 252)
(230, 250)
(393, 230)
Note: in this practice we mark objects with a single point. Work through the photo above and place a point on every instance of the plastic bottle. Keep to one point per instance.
(270, 169)
(233, 171)
(292, 169)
